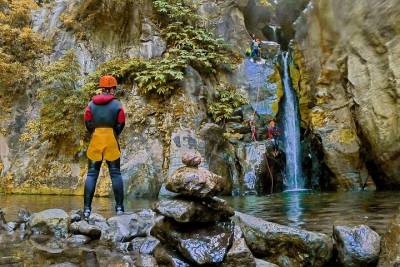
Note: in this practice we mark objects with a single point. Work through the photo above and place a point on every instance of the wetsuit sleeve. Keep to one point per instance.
(120, 121)
(89, 119)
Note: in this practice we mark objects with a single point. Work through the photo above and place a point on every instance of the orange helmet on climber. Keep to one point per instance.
(107, 81)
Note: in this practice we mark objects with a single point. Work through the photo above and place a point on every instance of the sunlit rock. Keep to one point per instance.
(84, 228)
(78, 240)
(51, 221)
(390, 245)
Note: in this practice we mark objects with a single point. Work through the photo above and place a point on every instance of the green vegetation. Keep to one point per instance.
(19, 45)
(63, 102)
(228, 98)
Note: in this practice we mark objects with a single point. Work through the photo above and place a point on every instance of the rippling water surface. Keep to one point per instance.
(307, 210)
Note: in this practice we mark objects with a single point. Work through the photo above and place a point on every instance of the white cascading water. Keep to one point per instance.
(274, 34)
(294, 179)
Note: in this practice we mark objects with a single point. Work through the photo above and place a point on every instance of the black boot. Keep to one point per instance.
(117, 185)
(90, 186)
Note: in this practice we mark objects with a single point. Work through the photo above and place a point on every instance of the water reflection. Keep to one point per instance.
(294, 207)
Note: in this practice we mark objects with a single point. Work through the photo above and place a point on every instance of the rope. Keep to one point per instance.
(270, 173)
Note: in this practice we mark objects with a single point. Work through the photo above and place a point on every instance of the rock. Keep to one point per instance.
(10, 261)
(118, 261)
(235, 127)
(84, 228)
(128, 226)
(195, 182)
(390, 244)
(200, 245)
(263, 263)
(52, 246)
(149, 245)
(191, 211)
(191, 158)
(23, 216)
(64, 264)
(51, 221)
(146, 261)
(272, 240)
(357, 246)
(12, 226)
(338, 112)
(239, 255)
(169, 257)
(75, 215)
(78, 240)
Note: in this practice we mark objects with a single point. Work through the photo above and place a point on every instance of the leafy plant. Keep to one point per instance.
(19, 45)
(227, 99)
(62, 101)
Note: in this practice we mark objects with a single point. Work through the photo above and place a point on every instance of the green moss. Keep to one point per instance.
(347, 136)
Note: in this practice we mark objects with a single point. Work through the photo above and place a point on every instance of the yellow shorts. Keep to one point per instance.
(103, 145)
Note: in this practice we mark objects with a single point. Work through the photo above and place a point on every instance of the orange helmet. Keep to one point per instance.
(107, 81)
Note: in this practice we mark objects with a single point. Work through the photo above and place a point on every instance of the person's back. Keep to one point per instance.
(105, 119)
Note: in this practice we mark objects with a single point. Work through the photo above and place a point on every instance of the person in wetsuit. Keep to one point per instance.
(273, 133)
(105, 120)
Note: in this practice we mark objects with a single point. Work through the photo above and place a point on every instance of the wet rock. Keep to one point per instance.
(99, 221)
(126, 227)
(201, 245)
(169, 257)
(357, 246)
(235, 127)
(239, 255)
(272, 240)
(146, 261)
(78, 240)
(263, 263)
(85, 228)
(390, 245)
(11, 226)
(190, 211)
(118, 261)
(75, 215)
(195, 182)
(191, 158)
(149, 245)
(64, 264)
(51, 221)
(52, 246)
(23, 216)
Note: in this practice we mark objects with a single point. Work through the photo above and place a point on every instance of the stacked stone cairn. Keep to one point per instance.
(195, 223)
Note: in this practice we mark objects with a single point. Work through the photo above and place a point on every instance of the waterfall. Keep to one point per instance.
(294, 179)
(274, 34)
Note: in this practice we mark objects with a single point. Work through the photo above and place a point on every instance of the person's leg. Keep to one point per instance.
(90, 186)
(117, 184)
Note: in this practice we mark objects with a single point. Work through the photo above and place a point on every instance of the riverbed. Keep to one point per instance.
(307, 210)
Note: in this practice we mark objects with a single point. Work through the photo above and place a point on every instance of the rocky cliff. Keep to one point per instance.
(347, 57)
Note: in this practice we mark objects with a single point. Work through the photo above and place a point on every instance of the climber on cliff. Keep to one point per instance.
(105, 120)
(272, 134)
(255, 46)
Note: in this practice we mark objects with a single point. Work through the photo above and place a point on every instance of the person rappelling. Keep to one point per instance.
(273, 133)
(105, 120)
(253, 128)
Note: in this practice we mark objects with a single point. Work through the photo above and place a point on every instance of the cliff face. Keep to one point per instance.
(159, 129)
(348, 56)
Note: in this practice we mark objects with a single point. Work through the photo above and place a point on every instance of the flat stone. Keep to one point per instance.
(263, 263)
(84, 228)
(201, 245)
(51, 221)
(272, 240)
(357, 246)
(196, 182)
(239, 255)
(191, 211)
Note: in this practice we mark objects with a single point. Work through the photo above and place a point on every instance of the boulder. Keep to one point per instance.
(23, 216)
(191, 158)
(51, 221)
(357, 246)
(200, 245)
(195, 182)
(84, 228)
(390, 245)
(75, 215)
(239, 255)
(272, 240)
(184, 211)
